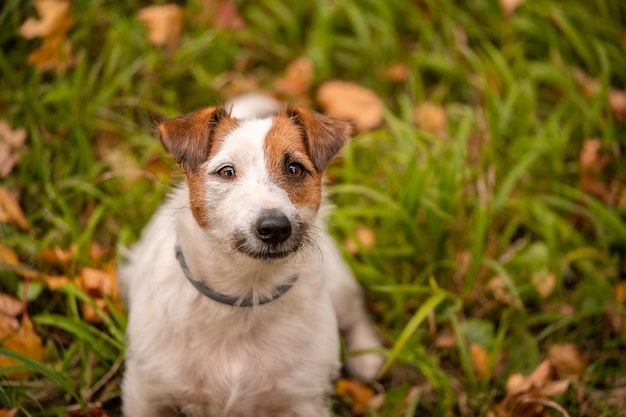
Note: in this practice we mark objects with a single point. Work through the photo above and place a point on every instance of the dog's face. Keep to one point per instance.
(255, 184)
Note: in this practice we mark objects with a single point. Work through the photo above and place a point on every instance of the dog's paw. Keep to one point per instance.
(366, 366)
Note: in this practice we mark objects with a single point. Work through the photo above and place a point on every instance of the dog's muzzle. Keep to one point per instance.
(272, 236)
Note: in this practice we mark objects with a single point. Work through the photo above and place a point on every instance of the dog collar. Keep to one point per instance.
(227, 299)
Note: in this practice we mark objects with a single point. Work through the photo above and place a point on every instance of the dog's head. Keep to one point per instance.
(255, 183)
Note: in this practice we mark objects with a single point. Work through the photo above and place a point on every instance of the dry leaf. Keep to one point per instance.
(544, 283)
(10, 210)
(500, 291)
(592, 162)
(430, 117)
(55, 281)
(480, 360)
(567, 359)
(55, 50)
(445, 339)
(8, 256)
(9, 413)
(349, 101)
(360, 395)
(620, 292)
(397, 73)
(297, 80)
(10, 306)
(97, 283)
(617, 102)
(517, 384)
(510, 6)
(10, 143)
(364, 239)
(165, 24)
(227, 16)
(26, 342)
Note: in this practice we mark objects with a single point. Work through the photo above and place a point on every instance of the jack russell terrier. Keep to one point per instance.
(235, 289)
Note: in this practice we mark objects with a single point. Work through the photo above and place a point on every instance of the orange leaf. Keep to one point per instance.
(9, 413)
(349, 101)
(480, 359)
(10, 143)
(26, 342)
(360, 395)
(10, 210)
(165, 24)
(397, 73)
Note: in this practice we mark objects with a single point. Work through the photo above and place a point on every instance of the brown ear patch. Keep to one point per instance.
(190, 138)
(324, 135)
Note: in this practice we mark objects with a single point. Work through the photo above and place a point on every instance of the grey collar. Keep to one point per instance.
(227, 299)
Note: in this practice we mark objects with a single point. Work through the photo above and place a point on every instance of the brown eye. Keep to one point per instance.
(295, 170)
(227, 172)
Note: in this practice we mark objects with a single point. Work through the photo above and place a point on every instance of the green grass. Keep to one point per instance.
(498, 195)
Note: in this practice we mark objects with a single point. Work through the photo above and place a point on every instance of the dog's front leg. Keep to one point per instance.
(354, 322)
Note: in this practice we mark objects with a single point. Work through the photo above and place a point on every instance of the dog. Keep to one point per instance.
(236, 291)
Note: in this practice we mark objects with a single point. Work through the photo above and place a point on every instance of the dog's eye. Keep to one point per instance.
(227, 172)
(295, 170)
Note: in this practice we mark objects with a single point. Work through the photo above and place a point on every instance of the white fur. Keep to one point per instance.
(190, 355)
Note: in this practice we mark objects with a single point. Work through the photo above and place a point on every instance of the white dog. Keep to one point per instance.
(235, 289)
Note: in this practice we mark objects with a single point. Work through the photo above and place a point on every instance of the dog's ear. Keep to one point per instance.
(325, 135)
(188, 138)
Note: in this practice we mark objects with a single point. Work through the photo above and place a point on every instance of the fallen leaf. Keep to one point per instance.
(10, 306)
(544, 283)
(480, 359)
(398, 72)
(537, 379)
(497, 286)
(10, 210)
(55, 50)
(364, 239)
(430, 117)
(620, 292)
(8, 256)
(97, 283)
(297, 80)
(617, 102)
(590, 86)
(58, 256)
(445, 339)
(510, 6)
(165, 24)
(592, 162)
(26, 342)
(567, 359)
(349, 101)
(227, 16)
(11, 141)
(55, 281)
(9, 413)
(358, 394)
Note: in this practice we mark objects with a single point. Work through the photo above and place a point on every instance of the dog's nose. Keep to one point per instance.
(273, 228)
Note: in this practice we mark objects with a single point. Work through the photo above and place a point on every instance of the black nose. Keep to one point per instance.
(273, 228)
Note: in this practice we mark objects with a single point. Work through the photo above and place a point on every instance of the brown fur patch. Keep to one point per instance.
(192, 139)
(295, 141)
(324, 135)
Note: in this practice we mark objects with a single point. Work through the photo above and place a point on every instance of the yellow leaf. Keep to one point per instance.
(165, 24)
(8, 413)
(349, 101)
(26, 342)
